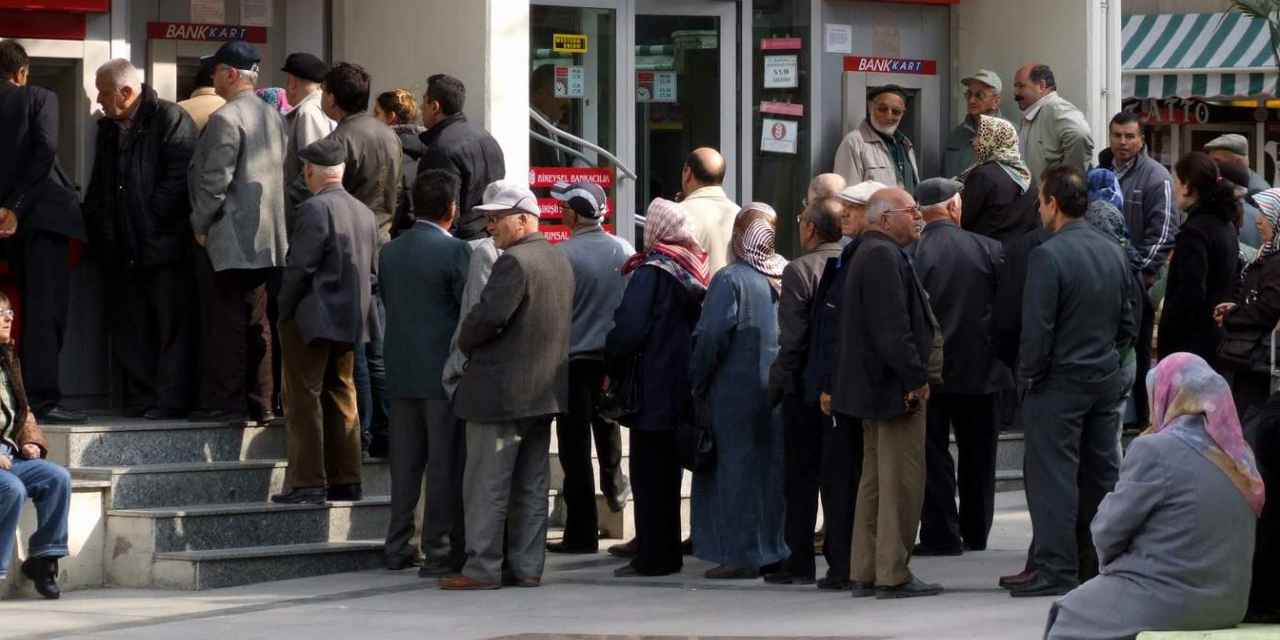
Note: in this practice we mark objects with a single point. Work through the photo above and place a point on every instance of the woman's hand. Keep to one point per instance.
(31, 451)
(1220, 312)
(824, 401)
(6, 463)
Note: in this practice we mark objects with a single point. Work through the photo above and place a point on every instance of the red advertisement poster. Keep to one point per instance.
(542, 177)
(873, 64)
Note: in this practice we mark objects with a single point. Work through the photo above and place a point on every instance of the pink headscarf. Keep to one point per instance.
(1184, 386)
(667, 232)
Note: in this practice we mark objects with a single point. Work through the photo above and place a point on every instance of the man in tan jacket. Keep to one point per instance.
(710, 211)
(876, 149)
(204, 100)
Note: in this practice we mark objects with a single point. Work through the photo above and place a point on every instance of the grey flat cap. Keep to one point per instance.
(936, 191)
(325, 152)
(1233, 142)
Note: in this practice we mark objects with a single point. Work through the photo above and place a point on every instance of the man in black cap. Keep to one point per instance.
(307, 122)
(324, 300)
(958, 270)
(876, 149)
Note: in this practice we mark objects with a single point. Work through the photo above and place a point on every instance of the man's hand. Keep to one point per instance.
(1149, 279)
(6, 463)
(201, 238)
(1220, 312)
(824, 401)
(8, 222)
(31, 451)
(916, 397)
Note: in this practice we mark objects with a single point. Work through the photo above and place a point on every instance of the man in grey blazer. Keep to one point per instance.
(236, 184)
(517, 378)
(422, 274)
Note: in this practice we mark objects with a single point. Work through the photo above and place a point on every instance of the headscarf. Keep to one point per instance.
(1104, 215)
(754, 245)
(276, 97)
(997, 141)
(1104, 185)
(1193, 403)
(1269, 207)
(670, 246)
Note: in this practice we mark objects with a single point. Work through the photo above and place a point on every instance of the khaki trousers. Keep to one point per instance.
(890, 498)
(320, 411)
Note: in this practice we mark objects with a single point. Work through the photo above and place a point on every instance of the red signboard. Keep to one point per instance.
(65, 6)
(782, 108)
(556, 233)
(550, 208)
(780, 44)
(41, 25)
(875, 64)
(541, 177)
(205, 32)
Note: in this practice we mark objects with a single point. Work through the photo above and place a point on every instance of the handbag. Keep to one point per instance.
(1246, 349)
(622, 395)
(695, 444)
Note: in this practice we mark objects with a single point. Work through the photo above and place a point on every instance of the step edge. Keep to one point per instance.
(270, 551)
(235, 508)
(86, 429)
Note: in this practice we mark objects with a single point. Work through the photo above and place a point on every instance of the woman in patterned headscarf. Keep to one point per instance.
(1176, 536)
(996, 201)
(1255, 305)
(277, 98)
(738, 504)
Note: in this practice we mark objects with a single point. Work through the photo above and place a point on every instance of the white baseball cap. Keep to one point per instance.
(506, 195)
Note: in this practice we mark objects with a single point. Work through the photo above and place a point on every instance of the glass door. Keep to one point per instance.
(685, 98)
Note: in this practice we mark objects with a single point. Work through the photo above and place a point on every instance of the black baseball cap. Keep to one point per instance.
(305, 66)
(237, 54)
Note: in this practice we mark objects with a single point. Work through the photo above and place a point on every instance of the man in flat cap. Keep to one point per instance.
(307, 122)
(981, 98)
(1233, 147)
(238, 216)
(958, 270)
(324, 300)
(876, 150)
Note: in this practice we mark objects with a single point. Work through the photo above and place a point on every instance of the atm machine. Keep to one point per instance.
(922, 122)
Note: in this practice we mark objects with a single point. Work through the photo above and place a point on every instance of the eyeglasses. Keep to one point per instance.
(912, 210)
(7, 314)
(976, 95)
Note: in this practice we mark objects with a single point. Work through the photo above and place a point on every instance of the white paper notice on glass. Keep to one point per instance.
(781, 72)
(571, 82)
(255, 13)
(779, 136)
(838, 38)
(209, 11)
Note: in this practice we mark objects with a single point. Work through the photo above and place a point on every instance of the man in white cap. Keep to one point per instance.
(876, 149)
(517, 378)
(981, 98)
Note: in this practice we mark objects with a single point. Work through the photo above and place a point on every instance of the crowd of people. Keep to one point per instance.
(376, 277)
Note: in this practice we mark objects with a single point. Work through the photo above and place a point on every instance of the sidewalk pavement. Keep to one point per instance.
(579, 596)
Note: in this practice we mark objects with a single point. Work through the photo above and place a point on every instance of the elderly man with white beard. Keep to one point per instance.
(876, 150)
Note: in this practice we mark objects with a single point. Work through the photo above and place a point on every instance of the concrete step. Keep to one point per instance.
(83, 568)
(195, 570)
(109, 442)
(192, 483)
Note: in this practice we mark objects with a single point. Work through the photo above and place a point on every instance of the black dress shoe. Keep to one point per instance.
(435, 570)
(630, 571)
(975, 546)
(628, 549)
(134, 412)
(913, 588)
(400, 563)
(725, 572)
(43, 573)
(925, 550)
(829, 583)
(159, 413)
(217, 415)
(786, 577)
(308, 495)
(565, 547)
(862, 589)
(379, 446)
(344, 492)
(686, 546)
(61, 415)
(1040, 587)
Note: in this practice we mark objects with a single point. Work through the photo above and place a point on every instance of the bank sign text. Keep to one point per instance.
(873, 64)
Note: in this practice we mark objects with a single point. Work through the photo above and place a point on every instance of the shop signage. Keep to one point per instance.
(569, 43)
(542, 177)
(208, 11)
(782, 108)
(781, 72)
(1170, 111)
(872, 64)
(205, 32)
(557, 233)
(838, 38)
(571, 82)
(780, 44)
(655, 86)
(550, 208)
(779, 136)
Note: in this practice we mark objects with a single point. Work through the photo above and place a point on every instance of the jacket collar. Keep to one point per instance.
(829, 247)
(429, 136)
(1031, 113)
(713, 191)
(423, 224)
(944, 222)
(536, 236)
(148, 103)
(312, 98)
(204, 91)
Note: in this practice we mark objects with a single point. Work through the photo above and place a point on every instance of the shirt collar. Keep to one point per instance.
(424, 221)
(204, 91)
(1121, 169)
(1031, 113)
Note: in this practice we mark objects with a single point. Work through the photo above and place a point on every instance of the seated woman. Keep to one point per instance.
(1175, 538)
(24, 472)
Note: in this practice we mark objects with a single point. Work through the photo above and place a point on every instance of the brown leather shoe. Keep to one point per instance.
(466, 583)
(528, 583)
(1027, 576)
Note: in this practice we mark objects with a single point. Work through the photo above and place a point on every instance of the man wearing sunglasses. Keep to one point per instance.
(876, 149)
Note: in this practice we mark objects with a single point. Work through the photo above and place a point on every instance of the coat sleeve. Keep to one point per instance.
(504, 293)
(1188, 291)
(793, 334)
(179, 142)
(308, 240)
(212, 167)
(631, 318)
(1263, 308)
(1140, 489)
(1039, 316)
(1160, 226)
(1075, 138)
(847, 162)
(888, 320)
(36, 167)
(713, 335)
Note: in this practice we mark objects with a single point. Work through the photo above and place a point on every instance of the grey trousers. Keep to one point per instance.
(505, 488)
(1071, 463)
(426, 437)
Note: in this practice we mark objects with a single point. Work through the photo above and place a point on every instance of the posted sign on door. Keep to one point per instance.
(655, 86)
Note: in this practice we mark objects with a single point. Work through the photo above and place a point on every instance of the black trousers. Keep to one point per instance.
(39, 260)
(841, 473)
(942, 526)
(655, 481)
(1146, 330)
(153, 334)
(805, 427)
(574, 433)
(236, 347)
(1263, 434)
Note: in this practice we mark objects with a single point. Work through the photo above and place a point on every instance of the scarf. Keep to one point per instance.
(1104, 185)
(755, 247)
(1192, 402)
(276, 97)
(1269, 207)
(997, 141)
(671, 246)
(1106, 218)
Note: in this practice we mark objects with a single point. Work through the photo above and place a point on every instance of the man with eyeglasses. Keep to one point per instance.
(982, 98)
(876, 149)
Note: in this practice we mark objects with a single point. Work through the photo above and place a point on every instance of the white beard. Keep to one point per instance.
(888, 131)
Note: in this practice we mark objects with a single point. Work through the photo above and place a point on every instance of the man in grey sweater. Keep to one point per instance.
(596, 257)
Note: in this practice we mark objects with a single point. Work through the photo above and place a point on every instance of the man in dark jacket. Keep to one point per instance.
(958, 269)
(806, 424)
(459, 146)
(39, 213)
(517, 378)
(138, 214)
(324, 300)
(1077, 318)
(887, 333)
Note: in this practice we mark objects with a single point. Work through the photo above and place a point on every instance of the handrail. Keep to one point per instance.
(537, 117)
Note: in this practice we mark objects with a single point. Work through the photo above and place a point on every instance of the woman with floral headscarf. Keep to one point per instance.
(998, 201)
(1175, 538)
(1255, 305)
(655, 322)
(738, 504)
(276, 97)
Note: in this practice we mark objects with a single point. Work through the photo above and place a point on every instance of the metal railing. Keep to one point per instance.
(557, 132)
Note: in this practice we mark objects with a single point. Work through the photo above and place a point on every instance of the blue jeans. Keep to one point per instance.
(370, 376)
(49, 486)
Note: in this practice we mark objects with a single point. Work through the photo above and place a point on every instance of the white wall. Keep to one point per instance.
(484, 43)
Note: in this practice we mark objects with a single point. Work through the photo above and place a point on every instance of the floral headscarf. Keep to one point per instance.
(1104, 185)
(670, 246)
(1191, 401)
(755, 246)
(997, 141)
(276, 97)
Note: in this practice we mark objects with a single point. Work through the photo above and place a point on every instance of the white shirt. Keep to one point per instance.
(1034, 110)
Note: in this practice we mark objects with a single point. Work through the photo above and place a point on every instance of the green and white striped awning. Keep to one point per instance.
(1197, 55)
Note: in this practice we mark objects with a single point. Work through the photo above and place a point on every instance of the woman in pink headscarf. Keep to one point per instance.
(1175, 538)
